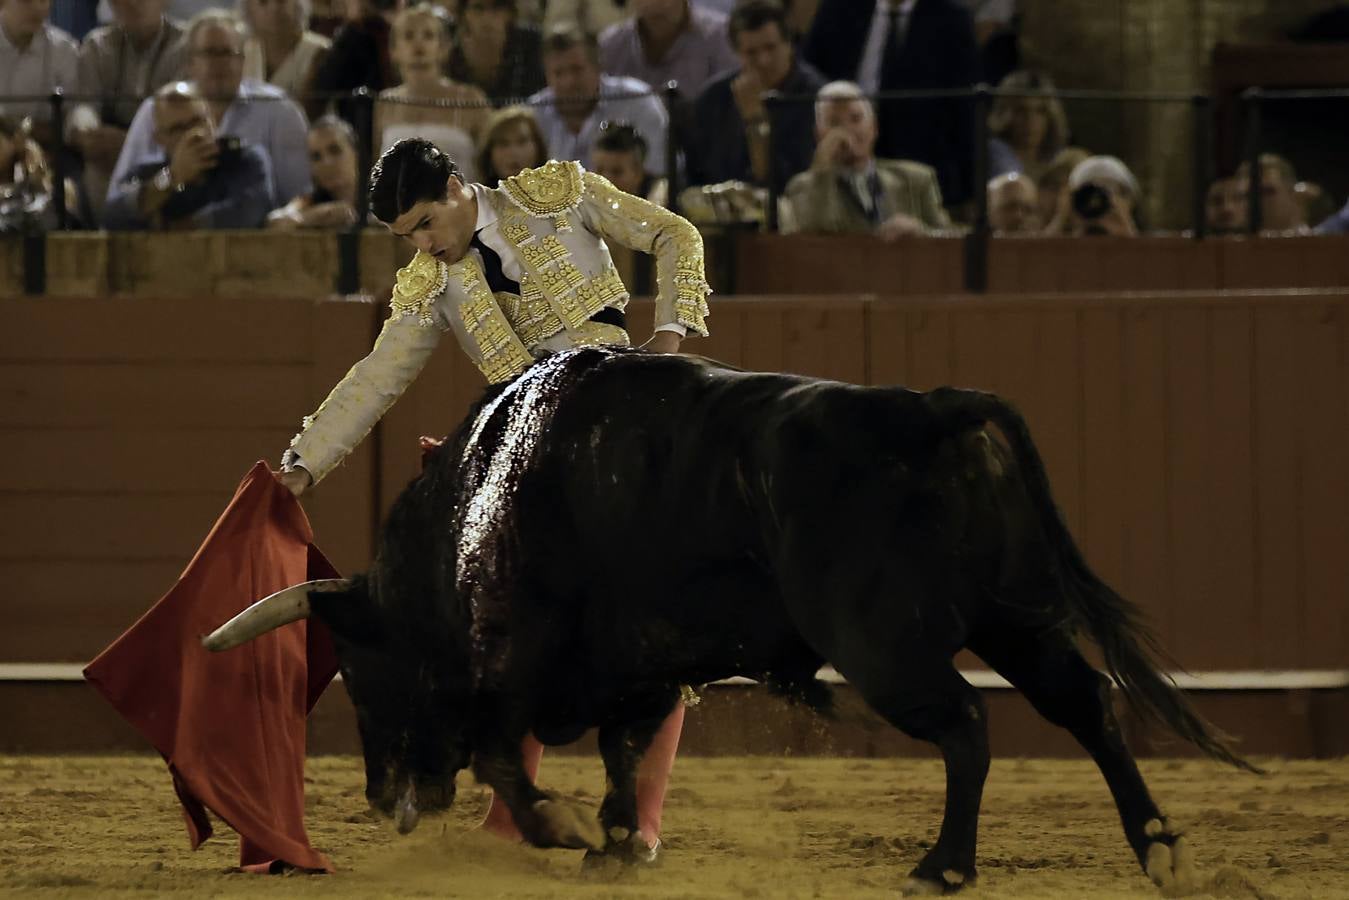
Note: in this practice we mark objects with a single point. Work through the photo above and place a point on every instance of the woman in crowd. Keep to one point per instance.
(333, 160)
(427, 104)
(495, 52)
(1025, 132)
(511, 141)
(281, 49)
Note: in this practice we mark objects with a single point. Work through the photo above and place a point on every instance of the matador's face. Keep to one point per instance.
(441, 228)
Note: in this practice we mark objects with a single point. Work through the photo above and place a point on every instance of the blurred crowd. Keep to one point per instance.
(180, 114)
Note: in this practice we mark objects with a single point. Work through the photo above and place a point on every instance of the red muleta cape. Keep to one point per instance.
(231, 725)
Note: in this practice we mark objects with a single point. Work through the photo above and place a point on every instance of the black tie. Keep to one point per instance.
(894, 44)
(491, 268)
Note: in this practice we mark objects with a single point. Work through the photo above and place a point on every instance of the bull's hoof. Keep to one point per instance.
(631, 851)
(561, 824)
(950, 882)
(1169, 861)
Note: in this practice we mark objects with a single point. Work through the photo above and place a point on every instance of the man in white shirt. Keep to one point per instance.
(256, 113)
(579, 99)
(35, 58)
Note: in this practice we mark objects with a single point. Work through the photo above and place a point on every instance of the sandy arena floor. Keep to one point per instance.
(755, 828)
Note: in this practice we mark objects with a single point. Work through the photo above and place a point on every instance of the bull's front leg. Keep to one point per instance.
(544, 819)
(622, 746)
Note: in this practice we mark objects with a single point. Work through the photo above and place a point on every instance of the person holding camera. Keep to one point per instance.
(1102, 199)
(200, 182)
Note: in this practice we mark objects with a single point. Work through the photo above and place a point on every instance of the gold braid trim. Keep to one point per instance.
(549, 190)
(502, 355)
(417, 286)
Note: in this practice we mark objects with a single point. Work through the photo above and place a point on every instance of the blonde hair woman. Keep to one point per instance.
(511, 141)
(420, 46)
(1025, 133)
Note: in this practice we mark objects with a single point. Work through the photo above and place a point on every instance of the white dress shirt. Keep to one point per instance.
(873, 52)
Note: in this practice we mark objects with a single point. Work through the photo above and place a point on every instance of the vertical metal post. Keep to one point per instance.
(59, 158)
(1203, 162)
(349, 240)
(976, 243)
(1250, 101)
(772, 102)
(35, 263)
(671, 97)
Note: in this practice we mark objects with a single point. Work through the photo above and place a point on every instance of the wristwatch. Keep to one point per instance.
(758, 127)
(163, 181)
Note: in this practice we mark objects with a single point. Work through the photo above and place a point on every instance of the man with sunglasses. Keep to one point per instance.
(255, 113)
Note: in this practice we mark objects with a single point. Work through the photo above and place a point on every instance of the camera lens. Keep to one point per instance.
(1091, 201)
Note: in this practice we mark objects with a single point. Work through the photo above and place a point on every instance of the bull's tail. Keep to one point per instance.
(1131, 649)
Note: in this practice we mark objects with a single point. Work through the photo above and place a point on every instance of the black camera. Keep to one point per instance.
(230, 150)
(1091, 201)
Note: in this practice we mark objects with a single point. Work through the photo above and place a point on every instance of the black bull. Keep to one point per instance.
(613, 525)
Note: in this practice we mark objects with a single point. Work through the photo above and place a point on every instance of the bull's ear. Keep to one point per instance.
(349, 613)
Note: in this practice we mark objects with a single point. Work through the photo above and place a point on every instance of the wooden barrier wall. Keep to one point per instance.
(1195, 441)
(127, 426)
(304, 265)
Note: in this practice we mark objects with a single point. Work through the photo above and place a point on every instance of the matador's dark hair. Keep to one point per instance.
(412, 170)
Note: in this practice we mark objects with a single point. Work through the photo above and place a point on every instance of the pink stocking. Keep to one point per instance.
(654, 774)
(499, 821)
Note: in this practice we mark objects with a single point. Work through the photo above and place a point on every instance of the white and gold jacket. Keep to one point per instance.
(556, 218)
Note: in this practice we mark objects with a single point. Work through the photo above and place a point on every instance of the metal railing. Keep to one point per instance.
(978, 100)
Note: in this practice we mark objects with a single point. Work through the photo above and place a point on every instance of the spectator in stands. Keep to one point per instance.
(334, 159)
(1225, 206)
(731, 140)
(1012, 205)
(578, 98)
(1026, 133)
(421, 45)
(35, 59)
(1336, 224)
(848, 189)
(995, 31)
(257, 114)
(591, 16)
(359, 56)
(619, 155)
(495, 51)
(1280, 210)
(25, 182)
(511, 142)
(197, 181)
(1102, 199)
(281, 50)
(668, 40)
(887, 45)
(1052, 187)
(1317, 205)
(121, 64)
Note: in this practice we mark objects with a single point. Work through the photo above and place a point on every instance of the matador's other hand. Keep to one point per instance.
(663, 342)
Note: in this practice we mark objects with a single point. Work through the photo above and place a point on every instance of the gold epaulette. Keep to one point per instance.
(549, 190)
(417, 286)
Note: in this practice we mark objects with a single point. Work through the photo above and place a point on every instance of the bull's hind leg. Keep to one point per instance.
(930, 701)
(1050, 671)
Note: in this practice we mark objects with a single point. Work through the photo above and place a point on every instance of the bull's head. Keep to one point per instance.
(410, 708)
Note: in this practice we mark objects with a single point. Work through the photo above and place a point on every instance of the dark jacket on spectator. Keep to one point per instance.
(719, 149)
(521, 71)
(359, 58)
(235, 194)
(939, 51)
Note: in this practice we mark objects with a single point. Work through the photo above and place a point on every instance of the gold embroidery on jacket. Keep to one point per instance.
(503, 354)
(549, 190)
(417, 287)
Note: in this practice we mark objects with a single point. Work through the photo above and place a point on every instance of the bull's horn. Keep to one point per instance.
(282, 608)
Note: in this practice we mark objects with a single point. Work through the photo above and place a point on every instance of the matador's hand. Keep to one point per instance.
(663, 342)
(297, 480)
